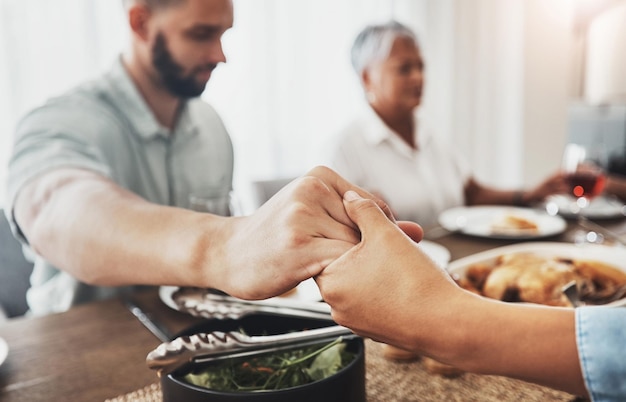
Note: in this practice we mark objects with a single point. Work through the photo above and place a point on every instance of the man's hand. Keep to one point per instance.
(104, 235)
(292, 237)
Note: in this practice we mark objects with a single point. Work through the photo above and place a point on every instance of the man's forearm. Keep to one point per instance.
(105, 235)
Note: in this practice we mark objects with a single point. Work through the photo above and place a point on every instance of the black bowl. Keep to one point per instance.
(348, 385)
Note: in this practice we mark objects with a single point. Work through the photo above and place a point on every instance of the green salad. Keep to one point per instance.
(273, 371)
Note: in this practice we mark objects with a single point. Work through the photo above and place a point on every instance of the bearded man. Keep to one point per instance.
(100, 178)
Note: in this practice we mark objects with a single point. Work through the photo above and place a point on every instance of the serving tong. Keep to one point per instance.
(210, 305)
(206, 347)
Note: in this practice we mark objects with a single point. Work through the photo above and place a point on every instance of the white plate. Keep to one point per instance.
(599, 208)
(615, 256)
(479, 220)
(306, 291)
(4, 350)
(438, 253)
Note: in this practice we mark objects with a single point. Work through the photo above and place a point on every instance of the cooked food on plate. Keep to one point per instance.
(533, 278)
(513, 223)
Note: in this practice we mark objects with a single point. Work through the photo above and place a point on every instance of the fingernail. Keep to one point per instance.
(351, 195)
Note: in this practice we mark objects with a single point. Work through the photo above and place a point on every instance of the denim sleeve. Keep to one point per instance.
(601, 339)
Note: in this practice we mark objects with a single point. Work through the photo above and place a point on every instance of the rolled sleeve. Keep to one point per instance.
(601, 339)
(40, 148)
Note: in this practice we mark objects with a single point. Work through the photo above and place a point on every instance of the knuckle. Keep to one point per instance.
(308, 185)
(321, 171)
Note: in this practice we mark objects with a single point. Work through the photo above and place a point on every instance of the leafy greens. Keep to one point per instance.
(274, 371)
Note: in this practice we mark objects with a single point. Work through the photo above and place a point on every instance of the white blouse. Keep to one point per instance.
(418, 184)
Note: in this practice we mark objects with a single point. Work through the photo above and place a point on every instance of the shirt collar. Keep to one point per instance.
(377, 132)
(127, 97)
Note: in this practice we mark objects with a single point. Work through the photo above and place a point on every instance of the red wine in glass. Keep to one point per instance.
(587, 184)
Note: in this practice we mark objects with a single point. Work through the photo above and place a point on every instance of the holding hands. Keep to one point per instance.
(292, 237)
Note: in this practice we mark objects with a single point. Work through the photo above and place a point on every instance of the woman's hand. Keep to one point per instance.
(554, 184)
(376, 286)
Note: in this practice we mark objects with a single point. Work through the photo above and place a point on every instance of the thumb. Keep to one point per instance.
(365, 213)
(412, 229)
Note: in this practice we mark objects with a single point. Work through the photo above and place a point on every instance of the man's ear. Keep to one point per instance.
(138, 17)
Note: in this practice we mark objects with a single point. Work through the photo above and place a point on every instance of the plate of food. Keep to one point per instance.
(602, 207)
(537, 272)
(502, 222)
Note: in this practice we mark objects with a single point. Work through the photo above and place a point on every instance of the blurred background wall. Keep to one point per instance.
(502, 78)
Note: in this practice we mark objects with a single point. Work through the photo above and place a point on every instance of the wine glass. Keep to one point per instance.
(585, 174)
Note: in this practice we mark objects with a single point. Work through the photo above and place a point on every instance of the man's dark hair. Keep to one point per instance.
(154, 4)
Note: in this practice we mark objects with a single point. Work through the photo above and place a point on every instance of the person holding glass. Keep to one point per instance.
(387, 289)
(390, 151)
(100, 179)
(616, 185)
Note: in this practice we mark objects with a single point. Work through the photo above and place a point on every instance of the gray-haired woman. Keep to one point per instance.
(393, 153)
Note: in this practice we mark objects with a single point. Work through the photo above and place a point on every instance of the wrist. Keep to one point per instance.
(520, 198)
(205, 255)
(453, 315)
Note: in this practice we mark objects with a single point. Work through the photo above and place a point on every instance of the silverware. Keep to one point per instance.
(571, 292)
(573, 295)
(208, 305)
(606, 233)
(157, 329)
(202, 348)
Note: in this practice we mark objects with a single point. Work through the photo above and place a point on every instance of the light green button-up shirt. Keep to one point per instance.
(106, 126)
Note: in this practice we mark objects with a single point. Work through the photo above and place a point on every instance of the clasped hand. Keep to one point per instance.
(292, 237)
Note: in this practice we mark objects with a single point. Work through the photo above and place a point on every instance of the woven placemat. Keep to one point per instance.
(389, 381)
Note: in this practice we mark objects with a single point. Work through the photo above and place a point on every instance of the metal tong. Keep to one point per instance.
(209, 305)
(201, 348)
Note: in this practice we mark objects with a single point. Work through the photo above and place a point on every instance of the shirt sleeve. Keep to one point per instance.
(601, 339)
(51, 137)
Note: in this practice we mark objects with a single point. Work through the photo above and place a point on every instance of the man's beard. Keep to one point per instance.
(172, 73)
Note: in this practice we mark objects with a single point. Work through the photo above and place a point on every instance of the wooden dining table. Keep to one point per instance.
(97, 351)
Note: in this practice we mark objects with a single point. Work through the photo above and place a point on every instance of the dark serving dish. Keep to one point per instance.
(348, 385)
